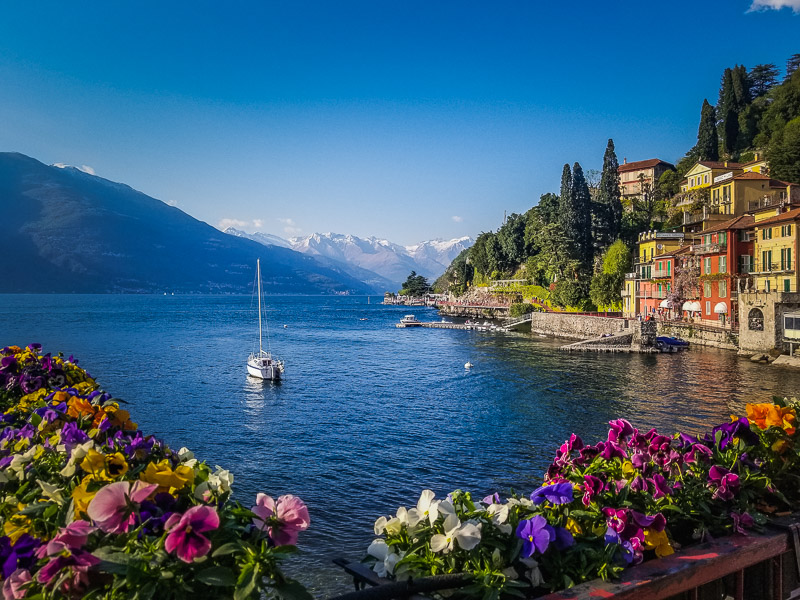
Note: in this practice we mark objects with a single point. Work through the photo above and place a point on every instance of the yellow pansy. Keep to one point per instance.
(658, 541)
(116, 465)
(628, 470)
(82, 497)
(167, 480)
(573, 527)
(95, 465)
(15, 526)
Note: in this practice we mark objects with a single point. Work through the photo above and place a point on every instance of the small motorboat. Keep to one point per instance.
(468, 365)
(409, 321)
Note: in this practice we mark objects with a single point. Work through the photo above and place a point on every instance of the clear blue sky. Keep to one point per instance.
(403, 119)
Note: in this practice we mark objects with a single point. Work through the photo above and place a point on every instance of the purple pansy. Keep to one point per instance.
(536, 535)
(556, 493)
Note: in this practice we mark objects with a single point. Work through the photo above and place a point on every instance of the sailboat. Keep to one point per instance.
(262, 364)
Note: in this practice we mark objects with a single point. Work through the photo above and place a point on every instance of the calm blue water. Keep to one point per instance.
(369, 415)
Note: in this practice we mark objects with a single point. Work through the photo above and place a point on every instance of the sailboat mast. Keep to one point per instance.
(258, 271)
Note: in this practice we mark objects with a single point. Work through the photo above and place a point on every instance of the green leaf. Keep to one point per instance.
(246, 583)
(219, 576)
(226, 549)
(146, 591)
(292, 590)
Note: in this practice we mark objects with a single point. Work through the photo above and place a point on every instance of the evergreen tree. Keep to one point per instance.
(762, 79)
(792, 65)
(565, 198)
(581, 218)
(741, 87)
(783, 152)
(707, 140)
(609, 194)
(548, 208)
(726, 111)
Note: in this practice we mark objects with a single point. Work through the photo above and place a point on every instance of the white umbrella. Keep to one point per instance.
(721, 308)
(665, 304)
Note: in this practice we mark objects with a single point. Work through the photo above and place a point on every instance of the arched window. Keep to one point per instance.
(755, 320)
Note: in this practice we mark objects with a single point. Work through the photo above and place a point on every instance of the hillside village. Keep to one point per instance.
(707, 247)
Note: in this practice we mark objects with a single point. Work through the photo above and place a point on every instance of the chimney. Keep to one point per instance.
(625, 161)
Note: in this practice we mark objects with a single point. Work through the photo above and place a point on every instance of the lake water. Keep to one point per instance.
(369, 415)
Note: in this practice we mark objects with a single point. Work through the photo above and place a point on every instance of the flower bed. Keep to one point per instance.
(91, 507)
(602, 508)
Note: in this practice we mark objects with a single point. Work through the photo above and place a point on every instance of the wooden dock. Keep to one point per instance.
(462, 326)
(621, 349)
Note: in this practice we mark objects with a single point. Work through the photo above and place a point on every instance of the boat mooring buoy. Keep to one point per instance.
(468, 365)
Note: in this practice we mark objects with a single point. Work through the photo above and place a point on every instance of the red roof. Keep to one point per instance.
(642, 164)
(717, 164)
(751, 175)
(742, 222)
(791, 215)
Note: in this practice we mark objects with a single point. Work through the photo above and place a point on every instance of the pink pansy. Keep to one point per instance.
(78, 562)
(71, 537)
(184, 532)
(12, 587)
(282, 521)
(112, 507)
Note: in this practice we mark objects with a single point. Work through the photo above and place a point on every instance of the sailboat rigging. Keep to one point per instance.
(263, 365)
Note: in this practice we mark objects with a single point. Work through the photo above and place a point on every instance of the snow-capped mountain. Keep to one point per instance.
(386, 260)
(262, 238)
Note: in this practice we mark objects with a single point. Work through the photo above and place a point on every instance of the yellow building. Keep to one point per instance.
(733, 194)
(775, 250)
(702, 174)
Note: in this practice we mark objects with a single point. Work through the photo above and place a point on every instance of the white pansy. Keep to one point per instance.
(51, 492)
(202, 492)
(16, 468)
(467, 535)
(78, 454)
(510, 573)
(186, 456)
(533, 573)
(446, 508)
(386, 559)
(380, 525)
(221, 479)
(498, 513)
(409, 518)
(394, 526)
(427, 507)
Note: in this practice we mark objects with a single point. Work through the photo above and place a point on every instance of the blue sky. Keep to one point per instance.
(407, 120)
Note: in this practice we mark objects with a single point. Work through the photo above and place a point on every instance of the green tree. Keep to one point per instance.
(577, 219)
(511, 237)
(609, 218)
(784, 107)
(669, 184)
(415, 285)
(548, 207)
(554, 259)
(792, 65)
(762, 79)
(477, 253)
(568, 292)
(783, 152)
(606, 289)
(728, 126)
(707, 139)
(618, 259)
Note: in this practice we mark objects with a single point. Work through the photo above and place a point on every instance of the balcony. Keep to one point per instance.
(769, 201)
(772, 268)
(659, 273)
(710, 248)
(692, 218)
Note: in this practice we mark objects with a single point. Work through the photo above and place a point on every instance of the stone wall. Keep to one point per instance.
(575, 327)
(766, 334)
(700, 336)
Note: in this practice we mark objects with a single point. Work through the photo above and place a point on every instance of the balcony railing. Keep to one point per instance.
(692, 218)
(776, 267)
(661, 273)
(710, 248)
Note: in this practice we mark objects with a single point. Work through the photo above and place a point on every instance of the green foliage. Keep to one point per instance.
(520, 308)
(607, 210)
(762, 79)
(784, 152)
(707, 140)
(618, 259)
(568, 292)
(792, 64)
(415, 286)
(669, 184)
(605, 289)
(456, 276)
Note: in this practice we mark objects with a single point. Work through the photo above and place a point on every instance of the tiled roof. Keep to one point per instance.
(717, 164)
(787, 216)
(742, 222)
(751, 175)
(642, 164)
(681, 250)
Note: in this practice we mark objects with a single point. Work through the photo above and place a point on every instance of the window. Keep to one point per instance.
(787, 285)
(786, 259)
(705, 178)
(744, 236)
(766, 260)
(767, 286)
(723, 238)
(706, 289)
(723, 289)
(755, 320)
(669, 268)
(766, 233)
(707, 265)
(708, 307)
(745, 263)
(708, 239)
(786, 230)
(723, 264)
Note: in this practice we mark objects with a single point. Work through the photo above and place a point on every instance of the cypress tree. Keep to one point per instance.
(565, 199)
(792, 65)
(608, 199)
(741, 87)
(582, 217)
(707, 140)
(762, 79)
(728, 127)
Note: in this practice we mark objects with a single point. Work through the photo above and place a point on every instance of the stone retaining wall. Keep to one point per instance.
(701, 337)
(575, 327)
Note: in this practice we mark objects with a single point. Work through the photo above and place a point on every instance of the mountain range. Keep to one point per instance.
(64, 230)
(376, 261)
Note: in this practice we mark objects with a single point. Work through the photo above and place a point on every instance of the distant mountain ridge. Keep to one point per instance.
(386, 260)
(69, 231)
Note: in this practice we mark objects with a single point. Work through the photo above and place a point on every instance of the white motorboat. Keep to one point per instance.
(409, 321)
(262, 364)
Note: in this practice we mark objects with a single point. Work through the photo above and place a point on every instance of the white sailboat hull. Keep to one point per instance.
(264, 367)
